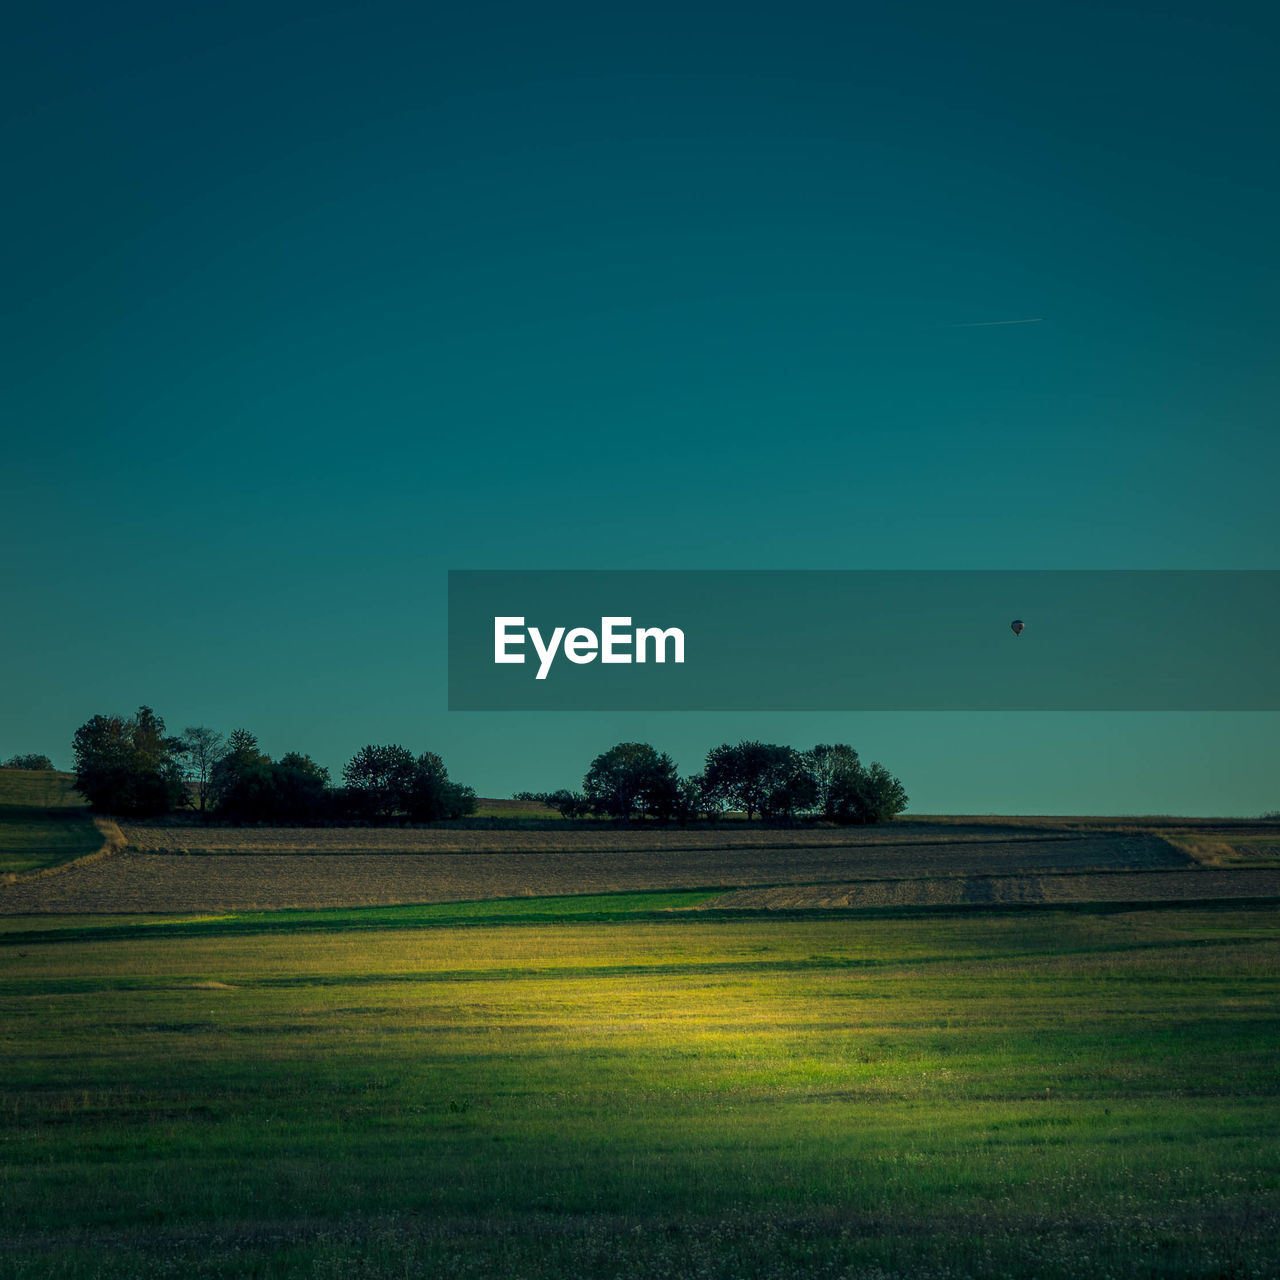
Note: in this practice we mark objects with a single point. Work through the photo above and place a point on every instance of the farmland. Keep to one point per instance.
(677, 1093)
(941, 1048)
(186, 867)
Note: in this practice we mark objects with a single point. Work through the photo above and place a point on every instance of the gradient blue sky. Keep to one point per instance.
(306, 304)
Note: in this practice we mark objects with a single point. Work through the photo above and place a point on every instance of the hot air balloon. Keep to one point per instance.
(1016, 626)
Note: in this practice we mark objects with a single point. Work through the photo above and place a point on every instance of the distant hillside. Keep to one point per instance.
(43, 822)
(492, 807)
(39, 789)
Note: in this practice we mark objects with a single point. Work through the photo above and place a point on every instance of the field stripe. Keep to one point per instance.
(282, 923)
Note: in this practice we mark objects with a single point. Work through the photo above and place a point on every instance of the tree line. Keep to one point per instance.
(133, 767)
(28, 761)
(777, 783)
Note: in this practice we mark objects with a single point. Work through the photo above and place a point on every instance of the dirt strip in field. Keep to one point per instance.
(137, 881)
(570, 838)
(1113, 886)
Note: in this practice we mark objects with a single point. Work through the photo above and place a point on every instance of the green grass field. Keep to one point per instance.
(618, 1087)
(43, 822)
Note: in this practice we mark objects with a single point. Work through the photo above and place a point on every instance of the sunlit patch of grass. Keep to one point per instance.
(1248, 849)
(1051, 1093)
(580, 907)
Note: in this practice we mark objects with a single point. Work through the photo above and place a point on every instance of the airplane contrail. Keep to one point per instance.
(985, 324)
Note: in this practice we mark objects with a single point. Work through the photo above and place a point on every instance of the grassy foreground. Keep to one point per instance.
(1047, 1093)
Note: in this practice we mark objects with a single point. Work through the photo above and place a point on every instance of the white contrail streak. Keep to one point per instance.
(986, 324)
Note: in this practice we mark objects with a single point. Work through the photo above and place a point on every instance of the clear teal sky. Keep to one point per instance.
(307, 303)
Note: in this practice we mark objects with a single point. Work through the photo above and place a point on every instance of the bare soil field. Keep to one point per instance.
(264, 869)
(1193, 884)
(183, 867)
(932, 839)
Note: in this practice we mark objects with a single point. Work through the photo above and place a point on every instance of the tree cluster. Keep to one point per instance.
(245, 785)
(383, 782)
(131, 767)
(759, 779)
(30, 761)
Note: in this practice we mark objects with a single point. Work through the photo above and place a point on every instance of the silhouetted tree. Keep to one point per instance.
(27, 762)
(881, 797)
(632, 778)
(378, 780)
(865, 795)
(568, 804)
(300, 791)
(794, 790)
(246, 785)
(751, 777)
(431, 795)
(202, 748)
(693, 801)
(128, 766)
(835, 769)
(706, 801)
(241, 784)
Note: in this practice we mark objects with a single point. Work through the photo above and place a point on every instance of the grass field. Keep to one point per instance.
(945, 1048)
(43, 822)
(640, 1090)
